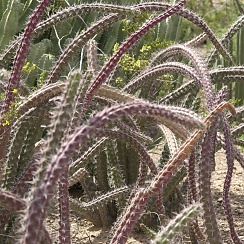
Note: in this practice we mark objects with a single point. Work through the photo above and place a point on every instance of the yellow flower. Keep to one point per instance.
(7, 122)
(15, 91)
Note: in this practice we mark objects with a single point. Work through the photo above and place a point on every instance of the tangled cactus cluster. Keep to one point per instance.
(62, 126)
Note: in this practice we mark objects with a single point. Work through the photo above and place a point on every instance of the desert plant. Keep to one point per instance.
(62, 126)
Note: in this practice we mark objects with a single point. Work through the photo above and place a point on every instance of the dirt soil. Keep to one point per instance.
(84, 232)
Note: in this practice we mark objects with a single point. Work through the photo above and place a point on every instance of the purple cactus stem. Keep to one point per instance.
(64, 211)
(130, 41)
(22, 53)
(14, 79)
(227, 183)
(38, 206)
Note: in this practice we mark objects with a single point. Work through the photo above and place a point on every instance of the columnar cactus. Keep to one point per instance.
(75, 114)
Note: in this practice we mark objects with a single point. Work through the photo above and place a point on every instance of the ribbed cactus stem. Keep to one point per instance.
(205, 169)
(227, 182)
(92, 151)
(35, 131)
(76, 10)
(174, 182)
(141, 198)
(115, 173)
(43, 193)
(192, 17)
(226, 38)
(237, 154)
(156, 71)
(178, 93)
(78, 176)
(22, 184)
(60, 122)
(238, 130)
(192, 189)
(129, 219)
(92, 58)
(167, 234)
(80, 41)
(148, 231)
(109, 196)
(63, 15)
(129, 42)
(55, 135)
(64, 211)
(39, 97)
(11, 201)
(14, 79)
(33, 176)
(20, 144)
(22, 53)
(15, 148)
(134, 143)
(89, 214)
(115, 94)
(199, 65)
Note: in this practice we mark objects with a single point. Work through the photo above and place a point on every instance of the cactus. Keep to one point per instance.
(167, 234)
(91, 105)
